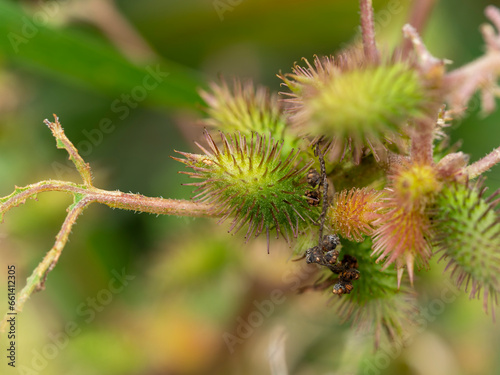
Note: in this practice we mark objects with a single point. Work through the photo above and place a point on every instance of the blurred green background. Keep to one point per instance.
(191, 285)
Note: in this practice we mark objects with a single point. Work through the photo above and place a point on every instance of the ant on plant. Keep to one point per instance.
(325, 253)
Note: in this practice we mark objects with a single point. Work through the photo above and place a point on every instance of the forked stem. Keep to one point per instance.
(83, 195)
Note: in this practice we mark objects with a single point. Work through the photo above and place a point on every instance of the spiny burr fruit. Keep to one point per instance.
(244, 108)
(353, 212)
(467, 233)
(403, 229)
(252, 182)
(376, 304)
(358, 103)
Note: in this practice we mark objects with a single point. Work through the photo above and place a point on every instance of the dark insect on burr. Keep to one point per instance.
(314, 255)
(330, 242)
(331, 257)
(338, 289)
(348, 261)
(350, 274)
(348, 288)
(342, 287)
(325, 254)
(313, 197)
(313, 177)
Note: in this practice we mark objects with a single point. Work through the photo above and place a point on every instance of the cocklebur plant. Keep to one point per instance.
(253, 182)
(344, 165)
(469, 237)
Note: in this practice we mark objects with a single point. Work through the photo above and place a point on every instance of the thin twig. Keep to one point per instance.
(114, 199)
(481, 74)
(83, 195)
(152, 205)
(368, 30)
(319, 154)
(64, 143)
(462, 83)
(427, 62)
(482, 165)
(422, 138)
(21, 194)
(419, 15)
(36, 281)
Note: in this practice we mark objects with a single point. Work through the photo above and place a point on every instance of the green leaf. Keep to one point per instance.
(88, 62)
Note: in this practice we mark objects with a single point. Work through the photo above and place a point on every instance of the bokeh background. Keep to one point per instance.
(195, 300)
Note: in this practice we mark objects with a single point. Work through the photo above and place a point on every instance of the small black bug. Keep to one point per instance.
(314, 255)
(325, 254)
(313, 177)
(350, 274)
(313, 197)
(331, 257)
(330, 242)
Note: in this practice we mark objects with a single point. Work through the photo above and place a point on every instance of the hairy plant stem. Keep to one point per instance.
(422, 137)
(419, 15)
(427, 62)
(463, 82)
(368, 30)
(481, 74)
(324, 181)
(36, 281)
(482, 165)
(113, 199)
(63, 142)
(83, 195)
(86, 196)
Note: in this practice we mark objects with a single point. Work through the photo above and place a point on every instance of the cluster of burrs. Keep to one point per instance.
(326, 255)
